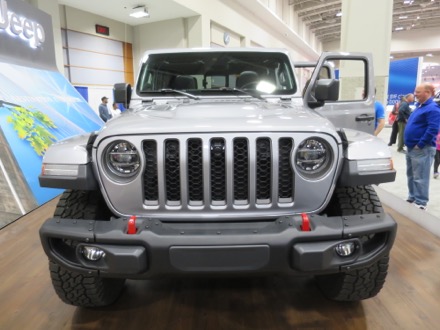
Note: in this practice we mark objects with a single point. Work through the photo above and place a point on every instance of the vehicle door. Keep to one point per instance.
(354, 107)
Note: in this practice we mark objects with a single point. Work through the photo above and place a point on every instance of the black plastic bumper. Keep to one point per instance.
(159, 248)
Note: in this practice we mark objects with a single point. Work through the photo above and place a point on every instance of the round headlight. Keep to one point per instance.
(313, 157)
(122, 158)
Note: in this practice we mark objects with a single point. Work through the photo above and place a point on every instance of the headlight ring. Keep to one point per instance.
(313, 158)
(122, 159)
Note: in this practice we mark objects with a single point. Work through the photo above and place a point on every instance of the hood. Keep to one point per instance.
(211, 116)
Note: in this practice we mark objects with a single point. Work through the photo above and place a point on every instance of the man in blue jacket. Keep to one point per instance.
(420, 136)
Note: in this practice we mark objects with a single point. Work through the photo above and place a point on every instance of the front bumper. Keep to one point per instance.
(162, 248)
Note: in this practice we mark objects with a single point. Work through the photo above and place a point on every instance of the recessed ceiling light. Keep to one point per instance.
(139, 12)
(400, 28)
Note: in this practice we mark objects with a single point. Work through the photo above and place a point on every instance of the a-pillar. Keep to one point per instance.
(366, 26)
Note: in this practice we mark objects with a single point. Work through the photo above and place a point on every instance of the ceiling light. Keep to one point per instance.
(339, 14)
(429, 55)
(139, 12)
(400, 28)
(403, 17)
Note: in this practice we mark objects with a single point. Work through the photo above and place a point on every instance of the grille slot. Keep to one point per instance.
(264, 170)
(195, 170)
(241, 170)
(218, 170)
(150, 174)
(285, 174)
(213, 172)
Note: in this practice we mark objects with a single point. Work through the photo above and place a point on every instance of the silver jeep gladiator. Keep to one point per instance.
(227, 162)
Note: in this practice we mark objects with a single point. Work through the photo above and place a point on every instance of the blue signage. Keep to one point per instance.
(402, 79)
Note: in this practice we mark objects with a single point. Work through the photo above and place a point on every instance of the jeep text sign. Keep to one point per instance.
(20, 26)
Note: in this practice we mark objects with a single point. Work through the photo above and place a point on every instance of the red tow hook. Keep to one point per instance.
(305, 226)
(131, 227)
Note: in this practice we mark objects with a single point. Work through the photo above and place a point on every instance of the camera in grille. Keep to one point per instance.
(167, 161)
(218, 170)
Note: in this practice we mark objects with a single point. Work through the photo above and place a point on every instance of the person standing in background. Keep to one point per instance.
(103, 110)
(115, 110)
(392, 120)
(437, 157)
(420, 138)
(379, 123)
(402, 119)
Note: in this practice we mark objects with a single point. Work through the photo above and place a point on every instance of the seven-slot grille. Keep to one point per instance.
(218, 171)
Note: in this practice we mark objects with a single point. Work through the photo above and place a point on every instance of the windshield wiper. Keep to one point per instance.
(253, 94)
(169, 90)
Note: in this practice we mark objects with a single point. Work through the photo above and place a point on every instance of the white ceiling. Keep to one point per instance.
(119, 10)
(319, 15)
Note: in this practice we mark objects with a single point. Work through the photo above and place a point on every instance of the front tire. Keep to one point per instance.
(360, 283)
(75, 288)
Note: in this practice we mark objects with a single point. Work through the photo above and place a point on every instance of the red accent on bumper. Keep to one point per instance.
(305, 226)
(131, 227)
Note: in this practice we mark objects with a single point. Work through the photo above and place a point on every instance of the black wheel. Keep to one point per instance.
(80, 289)
(354, 200)
(361, 283)
(84, 290)
(355, 285)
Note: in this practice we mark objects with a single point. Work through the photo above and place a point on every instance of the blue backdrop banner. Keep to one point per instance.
(402, 78)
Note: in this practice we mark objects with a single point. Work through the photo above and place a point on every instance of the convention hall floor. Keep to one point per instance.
(409, 299)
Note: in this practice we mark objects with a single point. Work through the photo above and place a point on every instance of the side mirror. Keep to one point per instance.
(122, 94)
(327, 90)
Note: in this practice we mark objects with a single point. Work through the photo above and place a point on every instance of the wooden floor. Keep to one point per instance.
(409, 300)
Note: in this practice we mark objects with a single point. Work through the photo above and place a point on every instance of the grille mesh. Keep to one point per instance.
(218, 171)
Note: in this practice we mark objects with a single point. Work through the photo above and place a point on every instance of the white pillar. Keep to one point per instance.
(366, 26)
(51, 7)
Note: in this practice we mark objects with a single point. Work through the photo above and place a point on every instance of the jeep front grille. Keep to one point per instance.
(218, 171)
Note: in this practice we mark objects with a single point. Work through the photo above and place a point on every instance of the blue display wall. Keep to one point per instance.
(38, 108)
(403, 78)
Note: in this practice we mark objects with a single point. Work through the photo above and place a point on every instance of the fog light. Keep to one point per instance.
(92, 253)
(345, 249)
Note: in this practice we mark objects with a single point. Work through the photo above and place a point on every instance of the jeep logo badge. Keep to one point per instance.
(20, 26)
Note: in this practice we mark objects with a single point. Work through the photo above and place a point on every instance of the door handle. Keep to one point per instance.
(364, 117)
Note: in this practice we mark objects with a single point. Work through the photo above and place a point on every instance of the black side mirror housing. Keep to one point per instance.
(122, 94)
(327, 90)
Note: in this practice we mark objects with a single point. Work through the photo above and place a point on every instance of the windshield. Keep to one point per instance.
(213, 73)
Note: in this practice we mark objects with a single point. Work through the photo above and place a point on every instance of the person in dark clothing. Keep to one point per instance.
(402, 118)
(437, 156)
(103, 110)
(394, 124)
